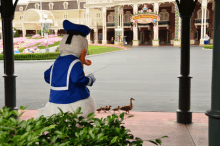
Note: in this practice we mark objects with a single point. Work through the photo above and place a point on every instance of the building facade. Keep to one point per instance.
(107, 17)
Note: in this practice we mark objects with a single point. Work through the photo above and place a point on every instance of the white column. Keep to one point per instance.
(205, 9)
(1, 34)
(156, 9)
(55, 30)
(122, 22)
(96, 35)
(23, 30)
(135, 29)
(104, 41)
(180, 22)
(201, 36)
(203, 27)
(87, 23)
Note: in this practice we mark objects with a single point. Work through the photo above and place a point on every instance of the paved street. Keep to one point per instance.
(147, 74)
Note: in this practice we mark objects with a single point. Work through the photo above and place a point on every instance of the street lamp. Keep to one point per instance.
(118, 31)
(46, 34)
(14, 32)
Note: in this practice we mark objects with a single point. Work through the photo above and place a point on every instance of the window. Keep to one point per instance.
(199, 14)
(164, 15)
(37, 6)
(111, 17)
(98, 15)
(65, 16)
(127, 16)
(20, 8)
(21, 17)
(51, 6)
(65, 5)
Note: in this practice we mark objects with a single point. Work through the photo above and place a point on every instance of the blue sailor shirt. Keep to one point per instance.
(68, 80)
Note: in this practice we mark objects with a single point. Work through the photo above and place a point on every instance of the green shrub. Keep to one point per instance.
(58, 49)
(39, 32)
(16, 33)
(55, 44)
(34, 56)
(208, 46)
(60, 129)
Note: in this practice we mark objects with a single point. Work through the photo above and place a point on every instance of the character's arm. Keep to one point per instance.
(77, 76)
(47, 75)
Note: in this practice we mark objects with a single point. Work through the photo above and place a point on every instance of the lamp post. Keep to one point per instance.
(214, 112)
(46, 34)
(14, 32)
(118, 31)
(7, 9)
(184, 114)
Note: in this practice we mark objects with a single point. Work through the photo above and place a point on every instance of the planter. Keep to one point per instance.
(116, 42)
(135, 43)
(177, 43)
(155, 43)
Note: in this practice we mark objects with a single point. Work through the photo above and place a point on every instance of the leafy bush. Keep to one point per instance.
(16, 33)
(58, 49)
(34, 56)
(208, 46)
(60, 129)
(39, 32)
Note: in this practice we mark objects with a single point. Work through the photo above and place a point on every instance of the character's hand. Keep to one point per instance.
(93, 79)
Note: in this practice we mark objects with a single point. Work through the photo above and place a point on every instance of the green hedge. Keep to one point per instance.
(34, 56)
(208, 46)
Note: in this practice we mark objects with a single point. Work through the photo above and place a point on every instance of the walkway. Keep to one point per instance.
(149, 75)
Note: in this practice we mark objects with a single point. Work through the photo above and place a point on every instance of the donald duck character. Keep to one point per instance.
(68, 83)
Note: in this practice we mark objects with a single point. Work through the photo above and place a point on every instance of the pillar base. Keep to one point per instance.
(184, 117)
(201, 42)
(177, 43)
(135, 43)
(96, 42)
(155, 43)
(116, 42)
(89, 42)
(192, 42)
(104, 42)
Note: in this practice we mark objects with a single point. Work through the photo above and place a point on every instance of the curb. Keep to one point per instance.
(107, 52)
(18, 61)
(206, 49)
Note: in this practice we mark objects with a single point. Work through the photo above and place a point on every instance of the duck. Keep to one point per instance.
(105, 108)
(127, 108)
(116, 109)
(99, 109)
(108, 108)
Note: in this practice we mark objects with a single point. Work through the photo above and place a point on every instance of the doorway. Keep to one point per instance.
(164, 37)
(129, 36)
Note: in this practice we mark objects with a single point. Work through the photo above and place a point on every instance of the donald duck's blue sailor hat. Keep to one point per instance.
(75, 29)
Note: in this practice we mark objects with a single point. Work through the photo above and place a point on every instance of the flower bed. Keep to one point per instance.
(111, 45)
(26, 43)
(36, 36)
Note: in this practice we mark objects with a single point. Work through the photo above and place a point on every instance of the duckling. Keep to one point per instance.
(105, 108)
(116, 109)
(127, 108)
(108, 108)
(99, 109)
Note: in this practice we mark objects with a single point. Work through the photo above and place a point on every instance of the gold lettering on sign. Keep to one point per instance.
(144, 16)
